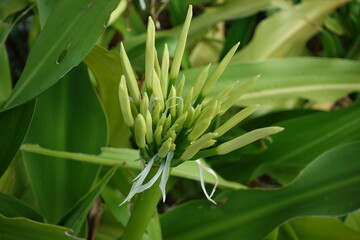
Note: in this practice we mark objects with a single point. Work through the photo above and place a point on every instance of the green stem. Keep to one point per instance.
(143, 211)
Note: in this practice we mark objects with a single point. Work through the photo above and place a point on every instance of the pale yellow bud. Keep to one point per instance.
(140, 131)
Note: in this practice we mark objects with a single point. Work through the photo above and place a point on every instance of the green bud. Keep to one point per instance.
(222, 94)
(245, 139)
(199, 129)
(165, 70)
(196, 146)
(190, 117)
(208, 112)
(156, 63)
(180, 121)
(180, 48)
(156, 87)
(172, 101)
(125, 103)
(158, 135)
(144, 104)
(232, 122)
(218, 71)
(189, 98)
(140, 131)
(156, 112)
(149, 53)
(167, 124)
(197, 112)
(171, 133)
(149, 131)
(161, 120)
(200, 81)
(180, 108)
(129, 75)
(165, 148)
(180, 86)
(234, 97)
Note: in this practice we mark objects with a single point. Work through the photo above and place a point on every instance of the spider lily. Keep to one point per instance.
(171, 127)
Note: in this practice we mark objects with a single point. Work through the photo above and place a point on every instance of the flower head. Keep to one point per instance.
(170, 126)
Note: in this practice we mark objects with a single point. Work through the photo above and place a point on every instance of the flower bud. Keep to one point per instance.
(180, 48)
(149, 132)
(237, 94)
(125, 103)
(165, 70)
(199, 144)
(129, 75)
(210, 82)
(232, 122)
(140, 131)
(199, 129)
(149, 53)
(245, 139)
(165, 148)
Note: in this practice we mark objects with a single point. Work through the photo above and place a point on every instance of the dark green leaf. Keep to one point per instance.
(12, 207)
(14, 124)
(327, 187)
(67, 117)
(75, 218)
(22, 228)
(73, 28)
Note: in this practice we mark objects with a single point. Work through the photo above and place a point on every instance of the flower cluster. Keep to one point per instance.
(170, 126)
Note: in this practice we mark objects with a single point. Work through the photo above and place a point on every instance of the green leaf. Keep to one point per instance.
(45, 8)
(327, 187)
(106, 67)
(12, 207)
(5, 77)
(126, 159)
(312, 228)
(65, 120)
(14, 124)
(286, 32)
(75, 218)
(68, 36)
(284, 79)
(22, 228)
(304, 142)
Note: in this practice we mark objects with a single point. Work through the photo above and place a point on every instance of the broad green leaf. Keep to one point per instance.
(67, 117)
(306, 138)
(327, 187)
(21, 228)
(286, 32)
(126, 159)
(45, 8)
(106, 67)
(313, 228)
(5, 77)
(68, 36)
(283, 79)
(14, 124)
(75, 218)
(12, 207)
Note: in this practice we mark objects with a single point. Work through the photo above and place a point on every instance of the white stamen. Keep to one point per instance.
(165, 175)
(202, 181)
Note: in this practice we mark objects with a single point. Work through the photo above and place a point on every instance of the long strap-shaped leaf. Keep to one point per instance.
(126, 158)
(68, 36)
(327, 187)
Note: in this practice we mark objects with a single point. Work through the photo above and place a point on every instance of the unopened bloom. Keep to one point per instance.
(170, 126)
